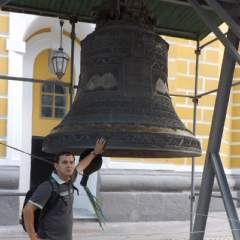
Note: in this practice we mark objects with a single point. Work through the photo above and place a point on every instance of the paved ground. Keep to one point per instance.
(217, 228)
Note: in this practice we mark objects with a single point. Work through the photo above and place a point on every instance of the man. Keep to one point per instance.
(57, 224)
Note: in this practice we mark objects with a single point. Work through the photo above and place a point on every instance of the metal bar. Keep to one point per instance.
(73, 20)
(207, 43)
(192, 206)
(4, 77)
(180, 95)
(18, 194)
(221, 12)
(230, 1)
(215, 90)
(44, 12)
(185, 3)
(228, 45)
(227, 196)
(42, 159)
(10, 194)
(207, 93)
(215, 138)
(172, 32)
(3, 2)
(202, 94)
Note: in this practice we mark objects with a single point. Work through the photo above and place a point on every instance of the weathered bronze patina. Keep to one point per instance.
(123, 91)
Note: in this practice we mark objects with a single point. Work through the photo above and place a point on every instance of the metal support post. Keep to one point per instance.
(226, 195)
(214, 144)
(73, 21)
(3, 2)
(223, 14)
(207, 19)
(195, 101)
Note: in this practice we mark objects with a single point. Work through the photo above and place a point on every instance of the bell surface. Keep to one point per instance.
(123, 97)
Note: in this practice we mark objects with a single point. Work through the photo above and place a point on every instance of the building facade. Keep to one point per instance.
(27, 43)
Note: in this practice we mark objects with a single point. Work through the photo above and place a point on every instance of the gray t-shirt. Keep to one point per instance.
(58, 223)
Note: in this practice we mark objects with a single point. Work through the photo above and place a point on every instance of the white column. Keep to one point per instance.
(16, 49)
(19, 119)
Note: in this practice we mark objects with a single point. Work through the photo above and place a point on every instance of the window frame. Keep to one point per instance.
(54, 95)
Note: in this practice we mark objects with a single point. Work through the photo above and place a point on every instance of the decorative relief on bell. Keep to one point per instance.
(105, 82)
(124, 10)
(161, 87)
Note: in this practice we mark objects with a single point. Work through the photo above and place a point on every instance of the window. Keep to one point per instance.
(53, 101)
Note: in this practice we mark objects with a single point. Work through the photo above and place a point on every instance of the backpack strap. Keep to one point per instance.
(75, 188)
(55, 196)
(52, 201)
(55, 185)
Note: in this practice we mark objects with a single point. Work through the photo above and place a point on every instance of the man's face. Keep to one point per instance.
(65, 166)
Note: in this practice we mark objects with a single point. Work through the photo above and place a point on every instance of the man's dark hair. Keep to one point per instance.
(67, 153)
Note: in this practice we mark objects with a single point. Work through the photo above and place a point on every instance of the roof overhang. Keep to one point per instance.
(176, 18)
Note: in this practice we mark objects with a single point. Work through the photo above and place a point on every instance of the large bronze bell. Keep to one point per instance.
(123, 92)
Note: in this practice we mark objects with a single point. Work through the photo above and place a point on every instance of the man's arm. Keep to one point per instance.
(28, 214)
(98, 149)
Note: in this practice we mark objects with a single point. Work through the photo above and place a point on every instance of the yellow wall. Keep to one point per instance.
(181, 73)
(42, 126)
(4, 26)
(2, 150)
(4, 29)
(209, 73)
(235, 124)
(3, 86)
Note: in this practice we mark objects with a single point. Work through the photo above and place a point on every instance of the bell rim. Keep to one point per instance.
(126, 144)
